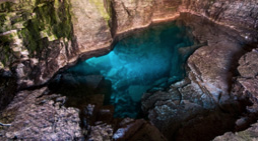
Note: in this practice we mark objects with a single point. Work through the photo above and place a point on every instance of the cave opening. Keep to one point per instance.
(146, 60)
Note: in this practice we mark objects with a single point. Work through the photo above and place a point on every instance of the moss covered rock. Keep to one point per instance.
(32, 21)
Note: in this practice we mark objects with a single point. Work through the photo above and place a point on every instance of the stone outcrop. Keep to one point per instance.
(214, 65)
(236, 14)
(130, 15)
(36, 116)
(70, 29)
(91, 20)
(245, 87)
(205, 96)
(74, 37)
(50, 35)
(248, 69)
(38, 38)
(199, 112)
(240, 15)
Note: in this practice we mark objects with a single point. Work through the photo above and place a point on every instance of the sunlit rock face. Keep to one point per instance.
(148, 60)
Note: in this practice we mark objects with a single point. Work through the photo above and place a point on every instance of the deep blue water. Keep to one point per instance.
(148, 60)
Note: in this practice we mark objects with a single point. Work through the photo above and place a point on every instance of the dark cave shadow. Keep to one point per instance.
(81, 90)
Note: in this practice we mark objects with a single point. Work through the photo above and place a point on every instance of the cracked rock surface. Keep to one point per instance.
(33, 117)
(205, 99)
(222, 76)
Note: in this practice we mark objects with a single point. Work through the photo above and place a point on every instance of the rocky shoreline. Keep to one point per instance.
(220, 89)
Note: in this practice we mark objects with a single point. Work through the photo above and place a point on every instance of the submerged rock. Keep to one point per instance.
(139, 62)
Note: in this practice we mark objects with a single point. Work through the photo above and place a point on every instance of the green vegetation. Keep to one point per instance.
(5, 51)
(51, 20)
(5, 58)
(36, 22)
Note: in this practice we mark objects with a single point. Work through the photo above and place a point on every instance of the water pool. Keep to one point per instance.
(148, 60)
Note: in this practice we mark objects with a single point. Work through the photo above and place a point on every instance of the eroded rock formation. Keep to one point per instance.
(39, 38)
(37, 117)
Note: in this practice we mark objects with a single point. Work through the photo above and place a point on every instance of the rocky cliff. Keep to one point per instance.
(40, 37)
(207, 98)
(240, 15)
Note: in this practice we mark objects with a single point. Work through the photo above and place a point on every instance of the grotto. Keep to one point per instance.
(128, 70)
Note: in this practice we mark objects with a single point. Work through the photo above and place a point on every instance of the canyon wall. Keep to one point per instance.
(237, 14)
(40, 37)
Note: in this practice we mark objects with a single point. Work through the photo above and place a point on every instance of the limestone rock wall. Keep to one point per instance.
(39, 37)
(238, 14)
(212, 73)
(35, 39)
(209, 87)
(34, 33)
(90, 20)
(135, 14)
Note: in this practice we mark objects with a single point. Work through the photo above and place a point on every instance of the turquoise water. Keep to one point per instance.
(148, 60)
